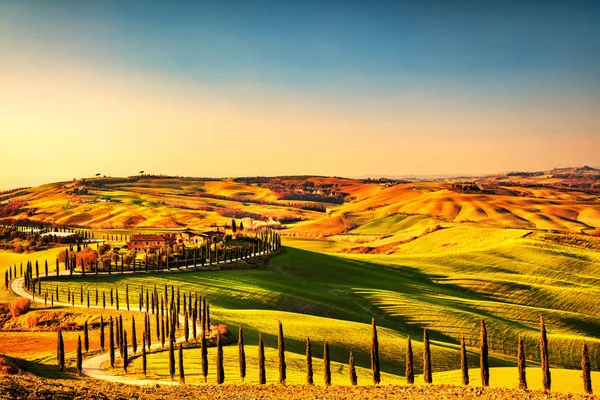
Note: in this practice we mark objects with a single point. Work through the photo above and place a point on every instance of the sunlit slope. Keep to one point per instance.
(155, 203)
(494, 274)
(434, 199)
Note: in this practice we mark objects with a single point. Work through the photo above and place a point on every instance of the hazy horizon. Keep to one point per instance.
(313, 88)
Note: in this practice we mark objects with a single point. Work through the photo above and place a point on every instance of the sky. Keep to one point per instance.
(345, 88)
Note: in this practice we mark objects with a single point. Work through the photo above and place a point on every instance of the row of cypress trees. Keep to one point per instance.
(118, 338)
(375, 363)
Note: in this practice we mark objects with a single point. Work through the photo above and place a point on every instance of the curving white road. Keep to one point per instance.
(92, 366)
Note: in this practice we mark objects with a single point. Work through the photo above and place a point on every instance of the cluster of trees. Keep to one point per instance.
(466, 187)
(90, 260)
(165, 313)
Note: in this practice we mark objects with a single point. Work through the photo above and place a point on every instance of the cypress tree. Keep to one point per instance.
(464, 366)
(208, 316)
(133, 335)
(118, 334)
(546, 378)
(410, 371)
(241, 353)
(262, 375)
(193, 317)
(309, 366)
(181, 372)
(101, 333)
(326, 364)
(149, 331)
(426, 358)
(121, 334)
(61, 351)
(220, 369)
(352, 370)
(111, 342)
(375, 354)
(103, 300)
(79, 356)
(186, 327)
(172, 358)
(483, 360)
(162, 330)
(281, 354)
(125, 355)
(521, 365)
(117, 297)
(157, 326)
(204, 355)
(86, 337)
(144, 354)
(586, 369)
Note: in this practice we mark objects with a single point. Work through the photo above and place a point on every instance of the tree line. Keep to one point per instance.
(166, 325)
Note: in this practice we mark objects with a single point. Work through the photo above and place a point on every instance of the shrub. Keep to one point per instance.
(19, 307)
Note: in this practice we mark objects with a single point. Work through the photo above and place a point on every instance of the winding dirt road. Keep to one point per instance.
(92, 366)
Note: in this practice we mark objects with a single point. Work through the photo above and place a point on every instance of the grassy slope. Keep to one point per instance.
(506, 279)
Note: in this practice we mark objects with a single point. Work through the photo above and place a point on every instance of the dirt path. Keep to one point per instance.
(92, 366)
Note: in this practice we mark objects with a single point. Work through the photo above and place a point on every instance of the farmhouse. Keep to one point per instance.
(140, 242)
(190, 238)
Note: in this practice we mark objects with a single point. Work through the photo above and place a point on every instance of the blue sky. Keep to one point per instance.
(466, 63)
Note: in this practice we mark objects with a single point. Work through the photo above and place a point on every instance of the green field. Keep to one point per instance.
(494, 274)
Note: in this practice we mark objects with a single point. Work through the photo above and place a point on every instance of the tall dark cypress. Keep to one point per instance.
(86, 337)
(181, 371)
(410, 368)
(133, 335)
(61, 351)
(162, 330)
(521, 365)
(120, 334)
(262, 374)
(309, 366)
(186, 327)
(375, 354)
(204, 355)
(352, 370)
(426, 358)
(464, 365)
(326, 364)
(546, 378)
(220, 369)
(241, 354)
(101, 333)
(281, 355)
(125, 355)
(208, 316)
(483, 359)
(149, 331)
(172, 358)
(144, 362)
(111, 342)
(586, 369)
(79, 356)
